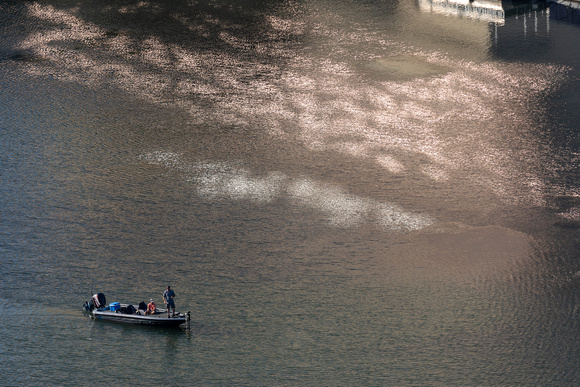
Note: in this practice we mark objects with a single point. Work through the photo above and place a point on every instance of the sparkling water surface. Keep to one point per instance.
(342, 193)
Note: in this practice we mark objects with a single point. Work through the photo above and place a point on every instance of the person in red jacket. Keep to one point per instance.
(151, 308)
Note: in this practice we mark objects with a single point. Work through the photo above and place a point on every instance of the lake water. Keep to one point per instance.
(342, 193)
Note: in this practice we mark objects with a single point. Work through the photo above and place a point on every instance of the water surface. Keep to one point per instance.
(374, 193)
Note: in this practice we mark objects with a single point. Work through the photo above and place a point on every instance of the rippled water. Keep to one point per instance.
(368, 193)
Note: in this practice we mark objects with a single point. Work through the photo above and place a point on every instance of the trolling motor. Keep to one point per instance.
(88, 307)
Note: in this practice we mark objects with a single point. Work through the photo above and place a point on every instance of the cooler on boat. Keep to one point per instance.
(114, 306)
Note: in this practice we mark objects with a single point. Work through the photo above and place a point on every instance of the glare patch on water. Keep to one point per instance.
(138, 6)
(214, 181)
(571, 214)
(287, 25)
(391, 164)
(435, 173)
(343, 209)
(153, 51)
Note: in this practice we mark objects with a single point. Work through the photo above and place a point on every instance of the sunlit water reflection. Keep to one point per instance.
(235, 183)
(377, 193)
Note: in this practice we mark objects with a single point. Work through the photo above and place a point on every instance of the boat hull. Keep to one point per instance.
(158, 319)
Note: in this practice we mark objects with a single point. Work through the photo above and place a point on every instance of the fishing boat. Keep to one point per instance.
(132, 314)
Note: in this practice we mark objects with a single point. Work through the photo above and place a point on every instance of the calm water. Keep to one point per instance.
(342, 193)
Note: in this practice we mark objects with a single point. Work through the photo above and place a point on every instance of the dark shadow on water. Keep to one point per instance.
(172, 21)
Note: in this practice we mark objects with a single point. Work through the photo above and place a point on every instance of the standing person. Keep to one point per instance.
(168, 296)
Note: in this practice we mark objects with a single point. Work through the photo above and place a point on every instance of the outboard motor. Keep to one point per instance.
(99, 300)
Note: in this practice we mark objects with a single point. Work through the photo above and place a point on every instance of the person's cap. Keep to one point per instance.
(151, 300)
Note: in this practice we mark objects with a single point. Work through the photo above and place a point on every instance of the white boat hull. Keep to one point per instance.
(158, 319)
